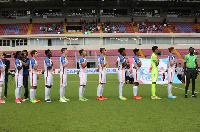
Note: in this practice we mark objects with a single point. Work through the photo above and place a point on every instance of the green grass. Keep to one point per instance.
(112, 115)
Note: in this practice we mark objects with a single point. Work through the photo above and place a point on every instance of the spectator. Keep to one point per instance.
(179, 70)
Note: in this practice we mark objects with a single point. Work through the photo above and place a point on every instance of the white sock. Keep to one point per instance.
(83, 90)
(49, 91)
(16, 93)
(0, 91)
(80, 91)
(34, 93)
(102, 89)
(46, 93)
(169, 89)
(61, 91)
(99, 90)
(31, 94)
(20, 92)
(135, 89)
(120, 89)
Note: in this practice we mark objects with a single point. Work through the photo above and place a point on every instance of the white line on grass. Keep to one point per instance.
(177, 88)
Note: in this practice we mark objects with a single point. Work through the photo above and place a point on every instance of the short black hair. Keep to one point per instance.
(25, 51)
(17, 53)
(120, 50)
(154, 48)
(135, 51)
(33, 52)
(179, 63)
(101, 49)
(47, 51)
(63, 49)
(81, 51)
(191, 48)
(4, 54)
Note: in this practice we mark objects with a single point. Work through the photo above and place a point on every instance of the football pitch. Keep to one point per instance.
(112, 115)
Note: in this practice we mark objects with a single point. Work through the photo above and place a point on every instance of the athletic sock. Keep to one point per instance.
(16, 93)
(49, 91)
(61, 91)
(32, 93)
(120, 89)
(83, 90)
(169, 89)
(135, 89)
(153, 89)
(20, 92)
(102, 88)
(0, 91)
(46, 93)
(80, 91)
(99, 90)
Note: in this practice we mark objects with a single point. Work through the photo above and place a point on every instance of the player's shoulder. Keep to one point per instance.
(101, 57)
(135, 57)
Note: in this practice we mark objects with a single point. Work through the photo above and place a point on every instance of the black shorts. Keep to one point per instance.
(191, 73)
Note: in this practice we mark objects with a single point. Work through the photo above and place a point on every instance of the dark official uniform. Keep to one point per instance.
(25, 77)
(7, 64)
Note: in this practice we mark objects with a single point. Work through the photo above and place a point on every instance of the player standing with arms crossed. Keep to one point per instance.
(63, 74)
(82, 74)
(121, 63)
(18, 76)
(171, 72)
(190, 70)
(102, 74)
(136, 73)
(154, 71)
(48, 75)
(33, 66)
(2, 75)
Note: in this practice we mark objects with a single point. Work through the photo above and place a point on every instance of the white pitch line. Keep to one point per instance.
(178, 88)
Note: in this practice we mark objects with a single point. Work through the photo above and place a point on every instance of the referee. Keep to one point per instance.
(190, 70)
(7, 71)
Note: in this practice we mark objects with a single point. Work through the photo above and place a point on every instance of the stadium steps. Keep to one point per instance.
(30, 29)
(134, 28)
(198, 26)
(179, 55)
(142, 54)
(65, 31)
(99, 24)
(169, 29)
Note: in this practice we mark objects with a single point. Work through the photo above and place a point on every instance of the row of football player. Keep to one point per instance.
(48, 66)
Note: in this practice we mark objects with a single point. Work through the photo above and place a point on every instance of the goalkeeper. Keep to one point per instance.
(154, 71)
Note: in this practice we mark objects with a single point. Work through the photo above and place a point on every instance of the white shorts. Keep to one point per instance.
(1, 82)
(136, 75)
(63, 80)
(2, 79)
(83, 78)
(121, 76)
(48, 80)
(19, 80)
(33, 80)
(171, 74)
(102, 77)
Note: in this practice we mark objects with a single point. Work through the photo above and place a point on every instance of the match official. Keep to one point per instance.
(7, 71)
(190, 70)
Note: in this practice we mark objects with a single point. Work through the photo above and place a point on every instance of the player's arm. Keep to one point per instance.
(155, 60)
(185, 62)
(139, 63)
(82, 62)
(171, 61)
(2, 68)
(102, 62)
(24, 63)
(17, 63)
(47, 62)
(196, 61)
(35, 67)
(64, 63)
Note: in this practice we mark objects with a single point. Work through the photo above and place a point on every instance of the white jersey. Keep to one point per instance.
(18, 63)
(102, 70)
(101, 60)
(18, 73)
(136, 69)
(171, 58)
(32, 64)
(120, 61)
(2, 74)
(63, 60)
(81, 61)
(47, 63)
